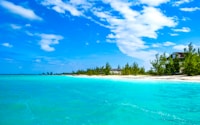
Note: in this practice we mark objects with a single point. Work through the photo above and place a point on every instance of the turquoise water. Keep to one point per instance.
(63, 100)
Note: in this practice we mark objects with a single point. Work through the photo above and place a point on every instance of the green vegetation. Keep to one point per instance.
(192, 61)
(186, 62)
(48, 73)
(166, 66)
(96, 71)
(132, 70)
(189, 64)
(126, 70)
(159, 64)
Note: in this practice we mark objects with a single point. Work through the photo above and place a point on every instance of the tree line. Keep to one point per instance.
(104, 70)
(128, 69)
(188, 64)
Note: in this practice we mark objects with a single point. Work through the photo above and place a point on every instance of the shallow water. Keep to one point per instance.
(58, 100)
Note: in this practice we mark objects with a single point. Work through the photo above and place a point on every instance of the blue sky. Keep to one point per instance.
(65, 35)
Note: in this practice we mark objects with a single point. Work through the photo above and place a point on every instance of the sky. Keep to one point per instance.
(58, 36)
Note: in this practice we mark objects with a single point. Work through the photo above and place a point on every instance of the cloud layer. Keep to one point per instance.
(7, 45)
(191, 9)
(183, 29)
(19, 10)
(127, 29)
(180, 2)
(154, 2)
(47, 40)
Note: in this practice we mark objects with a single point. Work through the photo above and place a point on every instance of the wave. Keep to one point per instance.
(163, 115)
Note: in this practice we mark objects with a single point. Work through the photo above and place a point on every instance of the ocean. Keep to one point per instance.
(68, 100)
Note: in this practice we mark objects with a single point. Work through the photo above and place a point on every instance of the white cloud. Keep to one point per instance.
(19, 10)
(49, 39)
(165, 44)
(180, 2)
(168, 43)
(154, 2)
(15, 27)
(61, 7)
(38, 60)
(7, 45)
(173, 34)
(179, 47)
(156, 45)
(77, 2)
(127, 31)
(190, 9)
(28, 25)
(29, 33)
(185, 19)
(83, 3)
(152, 19)
(183, 29)
(127, 26)
(130, 50)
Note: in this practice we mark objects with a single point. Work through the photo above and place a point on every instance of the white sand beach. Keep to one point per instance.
(145, 77)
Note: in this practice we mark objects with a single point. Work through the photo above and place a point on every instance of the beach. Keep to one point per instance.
(145, 77)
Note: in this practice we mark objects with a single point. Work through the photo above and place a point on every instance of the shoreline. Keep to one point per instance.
(182, 78)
